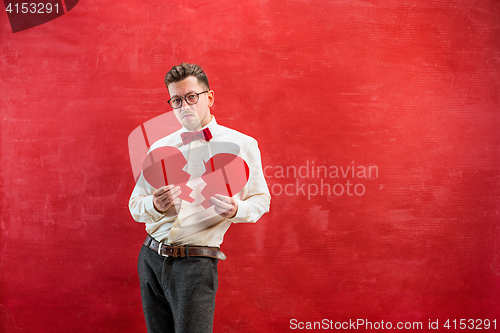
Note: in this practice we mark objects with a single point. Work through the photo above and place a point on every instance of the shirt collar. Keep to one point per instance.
(212, 126)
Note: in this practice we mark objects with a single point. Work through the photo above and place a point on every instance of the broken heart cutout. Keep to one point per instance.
(225, 173)
(163, 166)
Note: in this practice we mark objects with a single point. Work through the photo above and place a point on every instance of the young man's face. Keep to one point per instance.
(194, 116)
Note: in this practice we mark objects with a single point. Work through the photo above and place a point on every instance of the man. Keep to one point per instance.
(178, 262)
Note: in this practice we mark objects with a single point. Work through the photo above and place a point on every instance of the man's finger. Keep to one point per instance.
(221, 210)
(176, 194)
(160, 191)
(165, 190)
(175, 190)
(224, 198)
(222, 204)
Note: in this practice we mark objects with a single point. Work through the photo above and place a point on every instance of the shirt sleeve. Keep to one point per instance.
(141, 203)
(254, 198)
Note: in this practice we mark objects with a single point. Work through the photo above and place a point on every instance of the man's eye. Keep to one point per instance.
(191, 97)
(175, 100)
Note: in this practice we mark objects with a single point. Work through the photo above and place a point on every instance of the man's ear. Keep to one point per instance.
(211, 98)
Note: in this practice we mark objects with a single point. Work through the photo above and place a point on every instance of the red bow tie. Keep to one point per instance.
(187, 137)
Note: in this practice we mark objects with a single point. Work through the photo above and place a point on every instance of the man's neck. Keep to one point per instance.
(199, 128)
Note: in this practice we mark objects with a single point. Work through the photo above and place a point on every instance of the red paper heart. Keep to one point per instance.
(224, 174)
(28, 14)
(163, 166)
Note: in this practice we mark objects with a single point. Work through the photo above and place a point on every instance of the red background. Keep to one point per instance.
(411, 87)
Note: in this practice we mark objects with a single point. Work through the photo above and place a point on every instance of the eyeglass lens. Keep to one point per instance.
(190, 99)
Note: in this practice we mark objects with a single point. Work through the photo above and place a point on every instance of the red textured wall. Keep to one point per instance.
(408, 90)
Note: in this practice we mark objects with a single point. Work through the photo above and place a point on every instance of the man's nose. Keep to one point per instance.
(184, 104)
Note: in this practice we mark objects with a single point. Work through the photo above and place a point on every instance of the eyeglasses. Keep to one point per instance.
(191, 98)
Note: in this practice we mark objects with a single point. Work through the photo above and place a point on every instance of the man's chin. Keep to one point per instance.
(191, 123)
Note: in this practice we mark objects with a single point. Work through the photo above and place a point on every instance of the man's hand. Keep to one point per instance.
(226, 207)
(163, 198)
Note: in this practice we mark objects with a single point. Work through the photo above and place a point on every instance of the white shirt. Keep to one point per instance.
(189, 223)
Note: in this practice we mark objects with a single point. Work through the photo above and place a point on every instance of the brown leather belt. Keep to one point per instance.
(184, 250)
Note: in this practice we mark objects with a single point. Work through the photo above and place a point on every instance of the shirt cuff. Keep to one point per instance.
(150, 208)
(242, 215)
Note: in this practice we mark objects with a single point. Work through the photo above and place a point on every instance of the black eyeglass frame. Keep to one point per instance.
(185, 98)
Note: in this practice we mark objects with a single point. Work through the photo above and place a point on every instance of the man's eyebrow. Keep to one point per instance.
(184, 95)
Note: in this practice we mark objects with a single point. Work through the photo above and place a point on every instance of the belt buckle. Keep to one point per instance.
(159, 250)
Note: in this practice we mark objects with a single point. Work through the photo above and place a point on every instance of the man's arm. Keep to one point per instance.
(254, 198)
(148, 205)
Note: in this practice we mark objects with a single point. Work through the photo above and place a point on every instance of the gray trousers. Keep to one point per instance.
(178, 294)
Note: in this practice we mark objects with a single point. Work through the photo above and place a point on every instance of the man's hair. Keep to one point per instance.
(183, 71)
